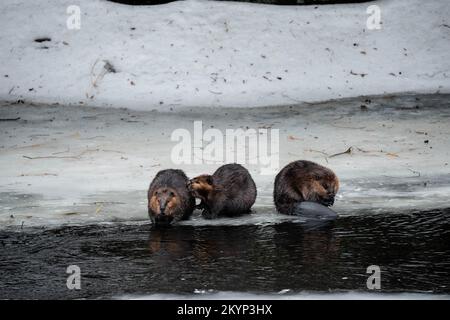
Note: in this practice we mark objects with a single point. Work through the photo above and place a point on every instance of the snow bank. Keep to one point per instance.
(203, 53)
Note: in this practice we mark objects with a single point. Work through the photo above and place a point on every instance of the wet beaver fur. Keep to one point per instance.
(169, 199)
(229, 191)
(302, 181)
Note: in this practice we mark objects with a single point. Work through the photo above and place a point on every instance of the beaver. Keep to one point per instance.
(229, 191)
(304, 181)
(169, 199)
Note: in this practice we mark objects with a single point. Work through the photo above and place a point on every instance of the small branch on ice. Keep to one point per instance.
(91, 138)
(52, 157)
(351, 151)
(343, 127)
(348, 151)
(70, 213)
(95, 79)
(104, 150)
(38, 174)
(362, 150)
(44, 39)
(417, 173)
(107, 67)
(389, 154)
(358, 74)
(68, 149)
(324, 153)
(10, 119)
(38, 135)
(286, 96)
(78, 156)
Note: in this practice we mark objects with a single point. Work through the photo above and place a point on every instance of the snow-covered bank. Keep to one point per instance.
(79, 164)
(203, 53)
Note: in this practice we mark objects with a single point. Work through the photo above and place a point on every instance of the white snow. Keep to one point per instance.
(204, 53)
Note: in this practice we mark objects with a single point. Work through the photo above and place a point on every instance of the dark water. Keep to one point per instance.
(412, 250)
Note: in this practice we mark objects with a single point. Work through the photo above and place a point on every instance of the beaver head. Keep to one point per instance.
(201, 186)
(163, 204)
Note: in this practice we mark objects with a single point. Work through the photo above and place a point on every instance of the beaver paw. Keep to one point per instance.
(328, 202)
(206, 214)
(199, 206)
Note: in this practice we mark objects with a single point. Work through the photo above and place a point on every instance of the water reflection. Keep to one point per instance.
(411, 249)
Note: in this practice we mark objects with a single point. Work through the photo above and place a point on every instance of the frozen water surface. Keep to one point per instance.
(64, 165)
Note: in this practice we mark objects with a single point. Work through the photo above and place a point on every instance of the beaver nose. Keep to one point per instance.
(163, 220)
(162, 208)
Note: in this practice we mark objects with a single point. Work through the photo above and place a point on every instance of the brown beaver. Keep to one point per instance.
(229, 191)
(169, 199)
(302, 181)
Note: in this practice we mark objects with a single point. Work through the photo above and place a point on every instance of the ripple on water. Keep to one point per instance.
(118, 260)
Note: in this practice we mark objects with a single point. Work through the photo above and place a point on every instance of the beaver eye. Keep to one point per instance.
(172, 194)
